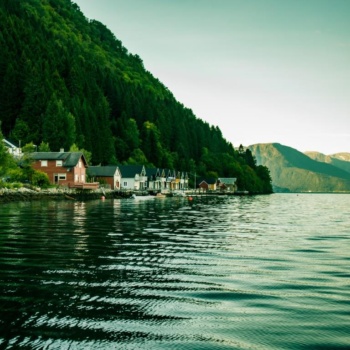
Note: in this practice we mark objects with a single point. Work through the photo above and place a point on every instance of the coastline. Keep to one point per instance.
(26, 194)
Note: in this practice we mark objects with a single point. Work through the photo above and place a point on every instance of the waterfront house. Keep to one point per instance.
(163, 179)
(227, 184)
(12, 148)
(109, 175)
(183, 181)
(170, 176)
(62, 168)
(154, 179)
(208, 184)
(133, 177)
(166, 179)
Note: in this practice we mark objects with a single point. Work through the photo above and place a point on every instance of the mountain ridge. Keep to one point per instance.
(339, 160)
(294, 171)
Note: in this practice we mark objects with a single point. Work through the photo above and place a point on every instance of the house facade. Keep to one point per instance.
(208, 184)
(62, 168)
(133, 177)
(108, 174)
(154, 178)
(137, 177)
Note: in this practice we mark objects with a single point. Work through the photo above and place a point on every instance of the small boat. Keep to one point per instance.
(160, 195)
(134, 196)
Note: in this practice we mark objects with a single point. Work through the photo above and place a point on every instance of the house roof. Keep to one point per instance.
(109, 170)
(169, 173)
(153, 173)
(70, 159)
(129, 171)
(9, 144)
(209, 180)
(228, 180)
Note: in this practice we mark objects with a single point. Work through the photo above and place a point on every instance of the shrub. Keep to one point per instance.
(40, 179)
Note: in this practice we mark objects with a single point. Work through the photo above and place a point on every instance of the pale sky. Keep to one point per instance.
(261, 70)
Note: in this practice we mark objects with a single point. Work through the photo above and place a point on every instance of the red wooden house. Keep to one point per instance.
(62, 168)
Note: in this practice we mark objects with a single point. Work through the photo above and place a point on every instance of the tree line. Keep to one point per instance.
(68, 81)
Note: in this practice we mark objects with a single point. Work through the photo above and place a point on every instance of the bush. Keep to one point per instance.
(15, 174)
(10, 185)
(40, 179)
(28, 175)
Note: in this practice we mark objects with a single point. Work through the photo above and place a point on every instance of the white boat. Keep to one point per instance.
(142, 198)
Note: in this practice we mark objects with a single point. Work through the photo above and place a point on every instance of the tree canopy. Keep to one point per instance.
(66, 80)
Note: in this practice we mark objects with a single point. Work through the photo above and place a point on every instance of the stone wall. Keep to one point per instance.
(25, 194)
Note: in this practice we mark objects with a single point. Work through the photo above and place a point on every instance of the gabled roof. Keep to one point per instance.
(209, 180)
(129, 171)
(109, 170)
(70, 159)
(153, 173)
(170, 173)
(228, 180)
(9, 144)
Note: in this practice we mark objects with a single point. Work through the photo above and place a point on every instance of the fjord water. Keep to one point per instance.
(260, 272)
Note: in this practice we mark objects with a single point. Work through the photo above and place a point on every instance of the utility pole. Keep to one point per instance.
(195, 184)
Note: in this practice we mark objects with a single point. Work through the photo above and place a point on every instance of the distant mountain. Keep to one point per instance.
(294, 171)
(342, 156)
(340, 160)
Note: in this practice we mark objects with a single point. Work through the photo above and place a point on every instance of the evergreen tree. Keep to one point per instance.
(10, 97)
(87, 154)
(5, 157)
(21, 132)
(65, 80)
(58, 125)
(44, 147)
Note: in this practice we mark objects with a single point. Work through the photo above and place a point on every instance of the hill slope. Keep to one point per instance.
(66, 80)
(339, 160)
(293, 171)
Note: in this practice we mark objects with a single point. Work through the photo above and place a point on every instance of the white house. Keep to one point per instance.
(133, 177)
(12, 149)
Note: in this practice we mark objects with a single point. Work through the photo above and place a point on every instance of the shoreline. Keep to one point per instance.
(24, 194)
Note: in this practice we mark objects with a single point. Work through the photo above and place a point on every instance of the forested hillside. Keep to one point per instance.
(66, 80)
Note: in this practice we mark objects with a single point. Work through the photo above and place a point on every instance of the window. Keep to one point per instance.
(44, 163)
(59, 177)
(125, 184)
(59, 163)
(79, 163)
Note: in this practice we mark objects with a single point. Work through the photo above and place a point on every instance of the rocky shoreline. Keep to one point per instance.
(27, 194)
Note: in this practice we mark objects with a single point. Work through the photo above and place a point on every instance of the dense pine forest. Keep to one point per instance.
(68, 81)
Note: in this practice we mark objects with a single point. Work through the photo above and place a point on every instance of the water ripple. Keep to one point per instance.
(267, 272)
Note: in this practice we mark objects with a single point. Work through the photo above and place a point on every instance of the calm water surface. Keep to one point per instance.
(266, 272)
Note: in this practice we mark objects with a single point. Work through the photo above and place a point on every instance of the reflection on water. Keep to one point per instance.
(267, 272)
